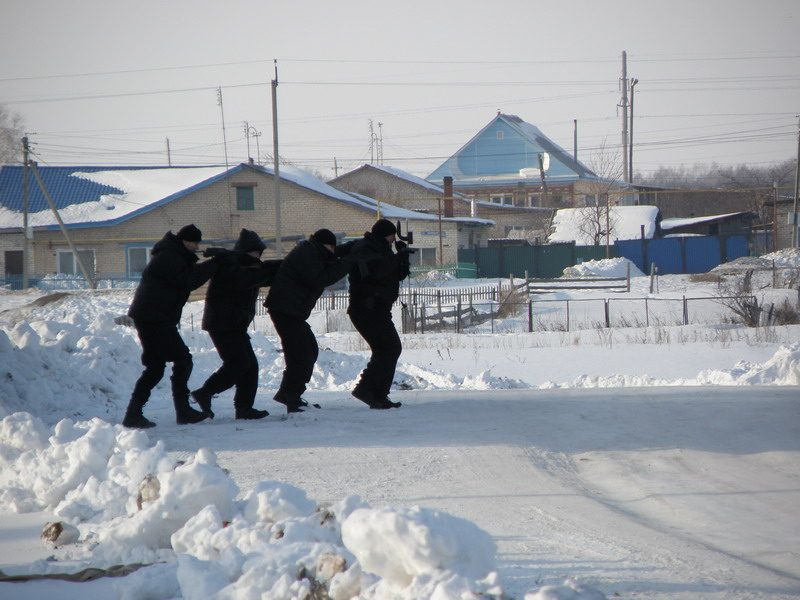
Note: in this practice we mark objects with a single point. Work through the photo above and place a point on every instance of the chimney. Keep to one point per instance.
(448, 196)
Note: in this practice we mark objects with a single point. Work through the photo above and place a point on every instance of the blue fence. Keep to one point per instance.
(696, 254)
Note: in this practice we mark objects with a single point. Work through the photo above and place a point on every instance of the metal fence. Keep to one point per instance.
(567, 315)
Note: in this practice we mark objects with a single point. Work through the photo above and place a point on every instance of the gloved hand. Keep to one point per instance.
(400, 245)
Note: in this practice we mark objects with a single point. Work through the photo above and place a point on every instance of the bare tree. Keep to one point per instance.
(596, 221)
(11, 132)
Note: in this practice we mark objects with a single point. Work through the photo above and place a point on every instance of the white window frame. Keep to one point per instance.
(63, 254)
(129, 262)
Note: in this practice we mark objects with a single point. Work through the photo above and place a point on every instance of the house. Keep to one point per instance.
(114, 215)
(777, 231)
(512, 162)
(390, 184)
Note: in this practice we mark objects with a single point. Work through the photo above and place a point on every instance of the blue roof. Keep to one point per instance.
(502, 149)
(64, 189)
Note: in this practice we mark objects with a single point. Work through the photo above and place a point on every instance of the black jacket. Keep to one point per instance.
(233, 291)
(302, 277)
(167, 281)
(376, 273)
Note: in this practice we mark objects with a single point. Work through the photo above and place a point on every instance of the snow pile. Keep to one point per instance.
(198, 536)
(788, 258)
(783, 368)
(435, 275)
(607, 267)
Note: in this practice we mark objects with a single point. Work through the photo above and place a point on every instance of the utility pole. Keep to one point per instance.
(624, 105)
(371, 142)
(26, 246)
(575, 139)
(634, 81)
(795, 224)
(380, 143)
(247, 136)
(224, 137)
(169, 156)
(276, 175)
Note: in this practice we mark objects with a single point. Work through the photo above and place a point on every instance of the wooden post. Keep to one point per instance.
(530, 316)
(628, 268)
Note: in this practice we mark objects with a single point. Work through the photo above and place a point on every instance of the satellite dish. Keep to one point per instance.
(545, 157)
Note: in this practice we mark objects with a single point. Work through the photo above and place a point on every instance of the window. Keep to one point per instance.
(423, 257)
(501, 135)
(137, 260)
(245, 197)
(507, 199)
(67, 265)
(590, 200)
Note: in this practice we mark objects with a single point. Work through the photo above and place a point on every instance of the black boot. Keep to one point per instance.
(363, 394)
(384, 403)
(185, 414)
(250, 414)
(293, 402)
(203, 399)
(134, 418)
(374, 402)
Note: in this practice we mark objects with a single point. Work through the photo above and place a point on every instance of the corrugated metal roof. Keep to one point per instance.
(64, 189)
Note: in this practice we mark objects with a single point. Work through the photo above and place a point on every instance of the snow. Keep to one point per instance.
(626, 223)
(549, 465)
(674, 222)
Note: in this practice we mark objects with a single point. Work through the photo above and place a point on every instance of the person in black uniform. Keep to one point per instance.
(375, 278)
(158, 302)
(230, 308)
(306, 271)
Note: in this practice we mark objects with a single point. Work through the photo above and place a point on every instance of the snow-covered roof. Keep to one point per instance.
(94, 197)
(411, 178)
(674, 223)
(626, 224)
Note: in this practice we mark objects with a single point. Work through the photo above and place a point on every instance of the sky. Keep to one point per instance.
(635, 462)
(403, 84)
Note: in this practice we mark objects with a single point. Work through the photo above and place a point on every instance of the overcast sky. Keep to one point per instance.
(107, 82)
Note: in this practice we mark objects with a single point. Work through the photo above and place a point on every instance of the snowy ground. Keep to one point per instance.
(655, 462)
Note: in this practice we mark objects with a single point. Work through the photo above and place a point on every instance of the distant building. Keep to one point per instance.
(398, 187)
(512, 162)
(114, 215)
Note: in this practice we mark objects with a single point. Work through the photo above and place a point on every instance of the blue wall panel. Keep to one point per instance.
(702, 254)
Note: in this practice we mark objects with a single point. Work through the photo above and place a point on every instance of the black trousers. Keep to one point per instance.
(378, 330)
(300, 352)
(161, 343)
(239, 367)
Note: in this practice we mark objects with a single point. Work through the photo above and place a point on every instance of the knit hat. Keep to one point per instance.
(384, 228)
(324, 237)
(190, 233)
(249, 241)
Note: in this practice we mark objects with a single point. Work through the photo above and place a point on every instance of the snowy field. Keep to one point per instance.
(656, 462)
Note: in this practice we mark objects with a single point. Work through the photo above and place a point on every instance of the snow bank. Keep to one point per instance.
(607, 267)
(200, 537)
(783, 368)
